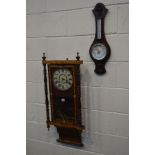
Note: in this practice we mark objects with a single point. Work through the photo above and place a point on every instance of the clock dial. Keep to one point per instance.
(62, 79)
(99, 51)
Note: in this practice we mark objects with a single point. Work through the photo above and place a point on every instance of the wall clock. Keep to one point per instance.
(64, 93)
(100, 49)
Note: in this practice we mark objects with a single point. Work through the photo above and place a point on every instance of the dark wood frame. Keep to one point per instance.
(99, 12)
(69, 132)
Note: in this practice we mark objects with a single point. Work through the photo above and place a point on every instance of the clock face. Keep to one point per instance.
(62, 79)
(99, 51)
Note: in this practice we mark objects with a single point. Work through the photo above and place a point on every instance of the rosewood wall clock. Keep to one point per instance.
(64, 93)
(100, 49)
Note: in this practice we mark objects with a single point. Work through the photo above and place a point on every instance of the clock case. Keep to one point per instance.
(65, 116)
(100, 12)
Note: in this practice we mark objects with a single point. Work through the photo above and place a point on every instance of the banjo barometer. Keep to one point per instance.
(99, 50)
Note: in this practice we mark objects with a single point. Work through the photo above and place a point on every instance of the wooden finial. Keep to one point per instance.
(44, 57)
(78, 57)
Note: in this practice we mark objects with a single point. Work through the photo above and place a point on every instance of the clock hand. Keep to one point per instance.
(63, 79)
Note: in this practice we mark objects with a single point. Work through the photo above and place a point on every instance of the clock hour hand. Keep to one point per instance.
(63, 79)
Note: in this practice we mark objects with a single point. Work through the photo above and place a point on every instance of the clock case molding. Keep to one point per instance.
(69, 131)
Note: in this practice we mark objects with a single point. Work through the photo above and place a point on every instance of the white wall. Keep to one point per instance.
(61, 28)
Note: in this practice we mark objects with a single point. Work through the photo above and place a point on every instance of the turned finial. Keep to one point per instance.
(44, 57)
(78, 57)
